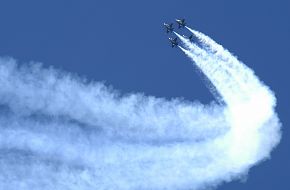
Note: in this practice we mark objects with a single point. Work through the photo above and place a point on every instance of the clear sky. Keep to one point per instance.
(124, 44)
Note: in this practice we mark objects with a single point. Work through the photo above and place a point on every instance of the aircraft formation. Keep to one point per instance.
(169, 29)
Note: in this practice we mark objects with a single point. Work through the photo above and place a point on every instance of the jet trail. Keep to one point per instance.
(250, 103)
(58, 131)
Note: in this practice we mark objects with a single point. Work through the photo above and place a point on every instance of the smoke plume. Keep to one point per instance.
(59, 131)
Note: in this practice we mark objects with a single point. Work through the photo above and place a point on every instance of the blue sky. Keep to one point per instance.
(123, 43)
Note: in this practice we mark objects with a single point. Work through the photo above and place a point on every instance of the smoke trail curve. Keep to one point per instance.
(59, 131)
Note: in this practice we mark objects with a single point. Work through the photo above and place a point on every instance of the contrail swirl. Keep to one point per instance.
(59, 131)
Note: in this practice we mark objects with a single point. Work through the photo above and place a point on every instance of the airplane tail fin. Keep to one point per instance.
(190, 37)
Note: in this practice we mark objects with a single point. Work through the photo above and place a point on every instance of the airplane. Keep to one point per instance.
(174, 42)
(181, 23)
(190, 38)
(169, 27)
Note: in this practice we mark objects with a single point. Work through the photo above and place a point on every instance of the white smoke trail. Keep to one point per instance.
(250, 103)
(58, 131)
(233, 65)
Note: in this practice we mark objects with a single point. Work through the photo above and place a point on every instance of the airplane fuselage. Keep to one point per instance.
(169, 27)
(181, 23)
(174, 42)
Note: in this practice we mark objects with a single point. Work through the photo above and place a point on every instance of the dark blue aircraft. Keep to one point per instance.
(169, 27)
(181, 23)
(190, 38)
(174, 42)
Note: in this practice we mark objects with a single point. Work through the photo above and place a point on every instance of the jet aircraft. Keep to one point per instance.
(190, 38)
(174, 42)
(169, 27)
(181, 23)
